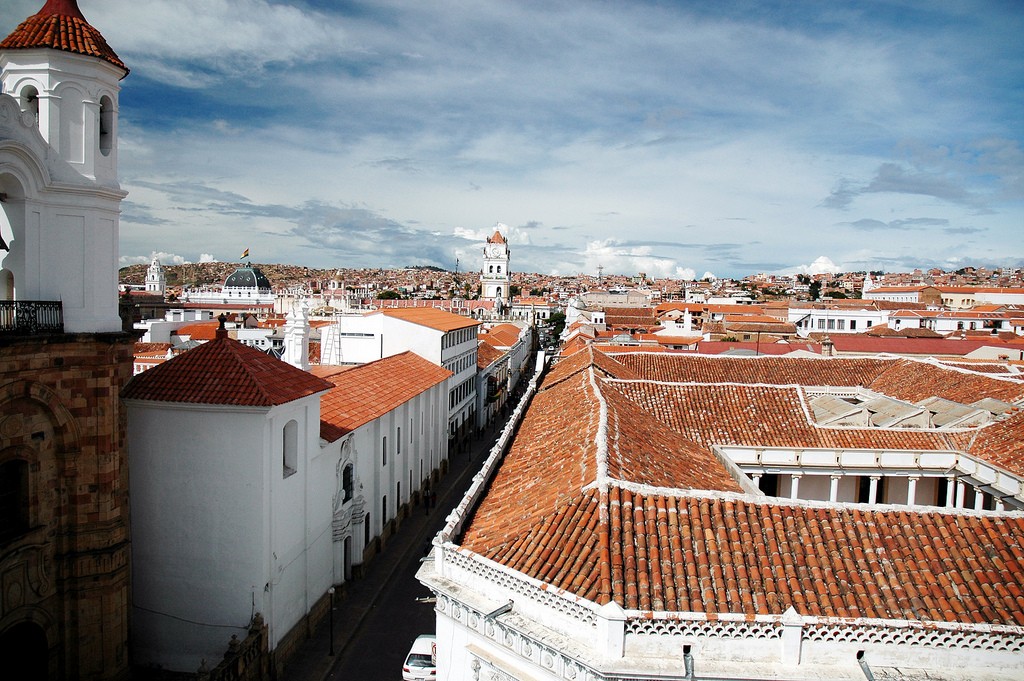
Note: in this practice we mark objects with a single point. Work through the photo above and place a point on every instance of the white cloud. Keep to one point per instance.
(669, 138)
(821, 265)
(192, 43)
(164, 258)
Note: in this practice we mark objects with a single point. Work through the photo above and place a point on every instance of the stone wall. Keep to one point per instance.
(65, 569)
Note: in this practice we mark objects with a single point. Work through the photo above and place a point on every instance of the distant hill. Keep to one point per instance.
(210, 273)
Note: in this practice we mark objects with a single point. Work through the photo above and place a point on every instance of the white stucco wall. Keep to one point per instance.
(199, 543)
(218, 530)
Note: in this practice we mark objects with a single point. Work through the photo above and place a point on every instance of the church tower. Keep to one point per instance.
(58, 166)
(495, 278)
(64, 552)
(156, 281)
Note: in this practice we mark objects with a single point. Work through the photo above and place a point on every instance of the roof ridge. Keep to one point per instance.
(253, 377)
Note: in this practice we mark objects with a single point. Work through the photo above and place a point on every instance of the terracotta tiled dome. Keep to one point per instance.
(60, 25)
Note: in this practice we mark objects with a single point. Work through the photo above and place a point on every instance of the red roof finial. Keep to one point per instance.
(67, 8)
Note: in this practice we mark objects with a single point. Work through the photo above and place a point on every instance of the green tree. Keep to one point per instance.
(557, 322)
(389, 295)
(815, 290)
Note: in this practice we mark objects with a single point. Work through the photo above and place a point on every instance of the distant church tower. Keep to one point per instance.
(64, 547)
(495, 278)
(156, 282)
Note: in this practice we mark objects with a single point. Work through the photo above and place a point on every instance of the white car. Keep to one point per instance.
(421, 662)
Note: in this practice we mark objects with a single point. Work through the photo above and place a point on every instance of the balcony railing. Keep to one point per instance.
(31, 317)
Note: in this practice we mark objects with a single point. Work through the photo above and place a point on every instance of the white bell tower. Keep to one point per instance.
(58, 166)
(156, 280)
(495, 278)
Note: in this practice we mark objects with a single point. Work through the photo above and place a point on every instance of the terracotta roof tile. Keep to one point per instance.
(363, 393)
(224, 372)
(60, 25)
(487, 355)
(431, 317)
(645, 539)
(501, 336)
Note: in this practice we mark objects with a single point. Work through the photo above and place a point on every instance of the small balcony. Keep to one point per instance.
(31, 317)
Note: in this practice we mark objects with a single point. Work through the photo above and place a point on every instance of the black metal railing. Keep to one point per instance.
(31, 317)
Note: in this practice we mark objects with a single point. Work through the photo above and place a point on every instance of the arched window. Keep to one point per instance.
(290, 447)
(499, 269)
(348, 482)
(490, 269)
(106, 126)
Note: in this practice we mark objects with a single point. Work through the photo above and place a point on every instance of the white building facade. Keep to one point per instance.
(238, 521)
(446, 339)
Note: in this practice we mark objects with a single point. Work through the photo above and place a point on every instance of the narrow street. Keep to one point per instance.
(377, 617)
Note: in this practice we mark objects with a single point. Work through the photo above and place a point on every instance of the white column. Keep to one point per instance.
(961, 492)
(611, 629)
(912, 489)
(833, 490)
(979, 499)
(950, 491)
(873, 489)
(794, 486)
(757, 480)
(792, 637)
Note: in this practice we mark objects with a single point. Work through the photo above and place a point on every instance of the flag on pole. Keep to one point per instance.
(246, 253)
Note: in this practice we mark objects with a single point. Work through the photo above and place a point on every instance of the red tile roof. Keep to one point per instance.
(198, 331)
(224, 372)
(597, 496)
(363, 393)
(496, 238)
(501, 336)
(487, 355)
(60, 25)
(431, 317)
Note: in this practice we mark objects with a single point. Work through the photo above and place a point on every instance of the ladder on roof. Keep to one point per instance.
(333, 341)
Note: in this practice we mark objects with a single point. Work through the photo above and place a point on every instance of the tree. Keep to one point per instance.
(389, 295)
(557, 322)
(815, 290)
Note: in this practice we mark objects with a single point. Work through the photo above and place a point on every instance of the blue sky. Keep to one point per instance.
(673, 138)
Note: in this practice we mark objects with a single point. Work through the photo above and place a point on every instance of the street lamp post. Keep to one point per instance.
(330, 594)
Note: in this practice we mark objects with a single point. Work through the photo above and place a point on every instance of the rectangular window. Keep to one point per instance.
(821, 323)
(398, 442)
(842, 324)
(853, 325)
(384, 451)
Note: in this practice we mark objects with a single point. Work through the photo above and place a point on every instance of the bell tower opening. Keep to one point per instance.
(106, 125)
(29, 100)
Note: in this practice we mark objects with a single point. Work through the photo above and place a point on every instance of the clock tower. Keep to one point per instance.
(495, 278)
